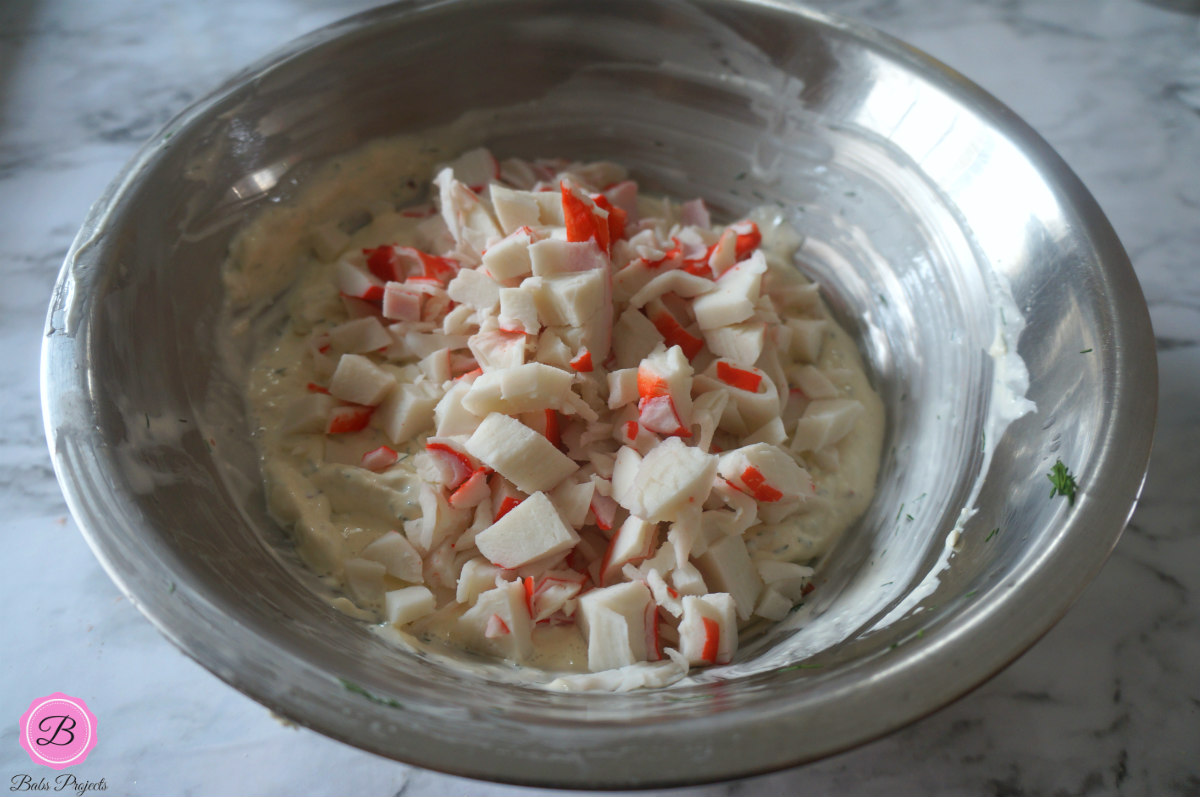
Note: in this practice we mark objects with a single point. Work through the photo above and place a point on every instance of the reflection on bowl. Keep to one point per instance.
(934, 219)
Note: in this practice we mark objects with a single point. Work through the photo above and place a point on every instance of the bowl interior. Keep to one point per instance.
(942, 230)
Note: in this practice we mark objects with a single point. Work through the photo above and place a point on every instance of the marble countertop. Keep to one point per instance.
(1107, 703)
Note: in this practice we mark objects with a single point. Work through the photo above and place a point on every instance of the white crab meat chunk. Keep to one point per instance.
(787, 578)
(812, 382)
(708, 630)
(360, 381)
(753, 397)
(516, 209)
(824, 423)
(468, 220)
(532, 530)
(474, 288)
(766, 473)
(742, 343)
(437, 522)
(522, 388)
(736, 296)
(497, 349)
(477, 576)
(634, 337)
(451, 417)
(622, 387)
(518, 311)
(772, 605)
(519, 454)
(613, 621)
(571, 299)
(633, 542)
(397, 555)
(500, 620)
(727, 567)
(670, 478)
(408, 410)
(553, 257)
(573, 501)
(403, 606)
(507, 260)
(675, 281)
(360, 336)
(664, 382)
(475, 168)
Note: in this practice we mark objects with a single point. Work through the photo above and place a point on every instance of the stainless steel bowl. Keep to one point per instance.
(920, 196)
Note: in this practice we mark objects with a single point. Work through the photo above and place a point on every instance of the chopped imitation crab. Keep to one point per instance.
(565, 409)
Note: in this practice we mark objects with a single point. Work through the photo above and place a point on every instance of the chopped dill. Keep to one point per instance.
(1062, 482)
(993, 533)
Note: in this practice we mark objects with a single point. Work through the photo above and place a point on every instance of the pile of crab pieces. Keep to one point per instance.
(607, 401)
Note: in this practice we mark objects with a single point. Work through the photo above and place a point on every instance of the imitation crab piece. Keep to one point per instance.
(523, 388)
(402, 302)
(472, 492)
(708, 630)
(451, 467)
(573, 501)
(360, 381)
(477, 575)
(475, 289)
(735, 297)
(824, 423)
(584, 220)
(497, 350)
(359, 336)
(664, 381)
(634, 337)
(502, 616)
(508, 259)
(633, 542)
(518, 311)
(671, 477)
(516, 209)
(356, 283)
(519, 454)
(766, 473)
(741, 344)
(533, 530)
(475, 168)
(553, 257)
(726, 567)
(677, 282)
(403, 606)
(789, 579)
(400, 559)
(408, 410)
(613, 620)
(349, 419)
(746, 410)
(380, 459)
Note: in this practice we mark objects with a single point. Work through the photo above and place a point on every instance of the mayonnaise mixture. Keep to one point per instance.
(544, 418)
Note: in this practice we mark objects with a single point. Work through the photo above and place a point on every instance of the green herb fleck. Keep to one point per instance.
(983, 441)
(971, 594)
(893, 646)
(991, 534)
(920, 633)
(1062, 482)
(350, 686)
(172, 589)
(1085, 351)
(908, 516)
(882, 299)
(802, 666)
(147, 421)
(740, 176)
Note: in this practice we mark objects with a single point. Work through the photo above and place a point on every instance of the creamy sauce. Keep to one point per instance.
(335, 508)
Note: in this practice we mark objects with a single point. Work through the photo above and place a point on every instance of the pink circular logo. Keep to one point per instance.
(58, 731)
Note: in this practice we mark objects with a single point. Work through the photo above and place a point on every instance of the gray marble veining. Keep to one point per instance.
(1107, 703)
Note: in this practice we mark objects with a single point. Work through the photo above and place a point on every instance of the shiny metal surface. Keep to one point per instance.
(920, 196)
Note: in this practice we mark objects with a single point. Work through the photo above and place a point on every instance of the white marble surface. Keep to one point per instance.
(1107, 703)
